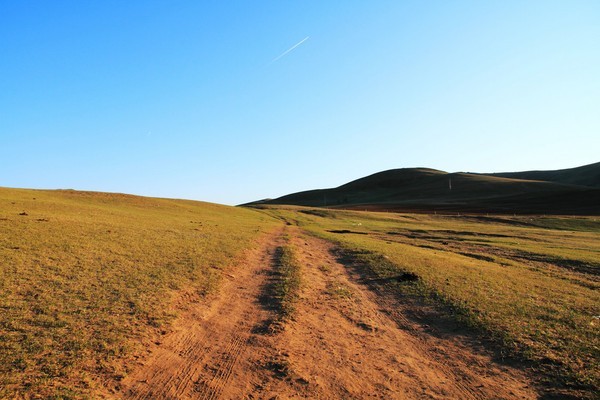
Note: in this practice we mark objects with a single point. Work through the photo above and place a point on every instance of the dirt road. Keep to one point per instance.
(344, 342)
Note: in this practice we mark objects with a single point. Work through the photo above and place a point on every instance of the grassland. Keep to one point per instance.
(531, 283)
(87, 279)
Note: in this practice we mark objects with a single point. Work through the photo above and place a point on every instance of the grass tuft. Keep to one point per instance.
(289, 281)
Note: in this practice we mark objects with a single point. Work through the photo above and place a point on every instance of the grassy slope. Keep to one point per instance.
(587, 175)
(519, 279)
(87, 278)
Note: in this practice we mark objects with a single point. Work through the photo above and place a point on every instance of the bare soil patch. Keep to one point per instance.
(201, 358)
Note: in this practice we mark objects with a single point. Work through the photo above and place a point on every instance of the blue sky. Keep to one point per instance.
(184, 99)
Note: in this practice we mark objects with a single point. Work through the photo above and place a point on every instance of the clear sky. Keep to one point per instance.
(203, 100)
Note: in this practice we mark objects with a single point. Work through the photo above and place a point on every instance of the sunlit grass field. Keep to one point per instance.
(530, 282)
(86, 279)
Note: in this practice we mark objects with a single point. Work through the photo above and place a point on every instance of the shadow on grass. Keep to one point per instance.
(404, 297)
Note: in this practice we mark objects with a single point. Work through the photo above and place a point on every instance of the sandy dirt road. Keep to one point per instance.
(345, 341)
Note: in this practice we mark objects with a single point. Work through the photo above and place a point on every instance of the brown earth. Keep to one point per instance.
(345, 341)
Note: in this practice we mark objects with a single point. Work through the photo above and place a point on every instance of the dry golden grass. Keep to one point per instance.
(87, 278)
(530, 282)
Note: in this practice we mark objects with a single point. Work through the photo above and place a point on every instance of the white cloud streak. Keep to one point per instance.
(290, 49)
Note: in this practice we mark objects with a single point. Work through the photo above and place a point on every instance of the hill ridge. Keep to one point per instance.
(586, 175)
(569, 191)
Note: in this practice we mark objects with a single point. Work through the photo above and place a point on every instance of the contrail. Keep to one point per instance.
(290, 49)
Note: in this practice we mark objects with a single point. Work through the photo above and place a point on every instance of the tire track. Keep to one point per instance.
(345, 340)
(389, 309)
(451, 358)
(362, 344)
(212, 389)
(198, 359)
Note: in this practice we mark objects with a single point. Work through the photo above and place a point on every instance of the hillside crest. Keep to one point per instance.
(566, 191)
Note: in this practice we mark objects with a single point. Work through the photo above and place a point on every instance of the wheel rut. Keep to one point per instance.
(197, 360)
(348, 342)
(212, 388)
(343, 341)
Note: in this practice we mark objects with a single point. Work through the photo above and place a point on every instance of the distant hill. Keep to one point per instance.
(587, 175)
(424, 189)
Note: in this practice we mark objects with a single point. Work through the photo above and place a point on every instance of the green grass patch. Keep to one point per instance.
(589, 224)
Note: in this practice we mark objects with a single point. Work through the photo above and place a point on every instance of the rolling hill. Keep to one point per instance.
(572, 191)
(587, 175)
